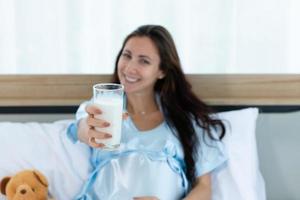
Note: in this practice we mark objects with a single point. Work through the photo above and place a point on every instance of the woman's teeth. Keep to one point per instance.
(130, 79)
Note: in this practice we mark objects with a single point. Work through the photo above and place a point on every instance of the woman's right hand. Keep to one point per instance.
(89, 128)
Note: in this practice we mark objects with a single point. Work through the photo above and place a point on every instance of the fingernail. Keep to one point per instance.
(106, 124)
(91, 139)
(108, 135)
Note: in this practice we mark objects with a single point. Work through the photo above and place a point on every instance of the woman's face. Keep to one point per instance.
(138, 65)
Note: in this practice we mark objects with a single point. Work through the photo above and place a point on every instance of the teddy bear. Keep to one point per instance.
(25, 185)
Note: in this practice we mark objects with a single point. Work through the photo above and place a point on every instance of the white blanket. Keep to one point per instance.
(45, 147)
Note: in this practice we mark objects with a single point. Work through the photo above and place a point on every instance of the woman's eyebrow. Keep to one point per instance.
(144, 56)
(127, 51)
(140, 56)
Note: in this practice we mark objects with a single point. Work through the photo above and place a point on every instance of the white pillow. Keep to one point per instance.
(241, 177)
(44, 146)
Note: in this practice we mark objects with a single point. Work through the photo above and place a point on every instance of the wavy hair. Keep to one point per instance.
(180, 105)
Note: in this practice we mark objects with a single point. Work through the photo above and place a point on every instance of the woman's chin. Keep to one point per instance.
(133, 90)
(129, 89)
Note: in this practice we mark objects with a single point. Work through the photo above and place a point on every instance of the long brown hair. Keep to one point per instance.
(180, 105)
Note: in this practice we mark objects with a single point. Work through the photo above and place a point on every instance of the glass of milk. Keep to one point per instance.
(109, 98)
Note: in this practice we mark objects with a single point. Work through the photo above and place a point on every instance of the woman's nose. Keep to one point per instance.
(130, 67)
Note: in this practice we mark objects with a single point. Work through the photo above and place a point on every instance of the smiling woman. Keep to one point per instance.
(139, 65)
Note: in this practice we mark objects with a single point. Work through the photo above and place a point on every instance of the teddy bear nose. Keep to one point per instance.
(23, 191)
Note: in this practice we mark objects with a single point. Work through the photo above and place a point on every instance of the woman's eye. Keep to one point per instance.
(143, 61)
(126, 55)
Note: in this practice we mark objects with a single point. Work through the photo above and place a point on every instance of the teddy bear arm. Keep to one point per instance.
(40, 177)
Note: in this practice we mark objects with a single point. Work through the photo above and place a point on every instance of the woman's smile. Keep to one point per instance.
(130, 79)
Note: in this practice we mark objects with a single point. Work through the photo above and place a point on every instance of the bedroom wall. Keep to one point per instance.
(277, 142)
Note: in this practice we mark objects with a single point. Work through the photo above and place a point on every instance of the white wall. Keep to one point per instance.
(83, 36)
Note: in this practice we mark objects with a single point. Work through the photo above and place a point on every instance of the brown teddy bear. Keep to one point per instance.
(25, 185)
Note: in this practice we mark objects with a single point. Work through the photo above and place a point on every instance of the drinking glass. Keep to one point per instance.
(109, 98)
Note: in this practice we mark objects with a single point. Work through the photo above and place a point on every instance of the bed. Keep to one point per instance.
(238, 99)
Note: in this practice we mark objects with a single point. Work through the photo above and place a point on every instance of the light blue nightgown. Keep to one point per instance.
(148, 163)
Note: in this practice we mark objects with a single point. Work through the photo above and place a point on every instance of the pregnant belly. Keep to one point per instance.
(136, 175)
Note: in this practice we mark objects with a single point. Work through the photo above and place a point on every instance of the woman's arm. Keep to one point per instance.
(202, 189)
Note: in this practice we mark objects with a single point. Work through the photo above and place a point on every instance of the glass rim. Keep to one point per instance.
(99, 85)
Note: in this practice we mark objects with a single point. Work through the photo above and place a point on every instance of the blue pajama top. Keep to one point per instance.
(147, 163)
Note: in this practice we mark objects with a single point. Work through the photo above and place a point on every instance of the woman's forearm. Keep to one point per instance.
(200, 193)
(202, 189)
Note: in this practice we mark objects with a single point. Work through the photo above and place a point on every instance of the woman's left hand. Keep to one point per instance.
(145, 198)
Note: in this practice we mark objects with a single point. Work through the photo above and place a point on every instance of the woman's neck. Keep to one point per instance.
(141, 104)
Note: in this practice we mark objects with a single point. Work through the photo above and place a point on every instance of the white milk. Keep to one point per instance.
(112, 110)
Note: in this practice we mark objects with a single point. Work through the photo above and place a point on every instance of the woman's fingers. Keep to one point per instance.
(94, 125)
(93, 109)
(92, 142)
(96, 135)
(92, 133)
(99, 123)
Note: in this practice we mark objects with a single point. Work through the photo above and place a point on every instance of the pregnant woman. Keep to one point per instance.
(171, 141)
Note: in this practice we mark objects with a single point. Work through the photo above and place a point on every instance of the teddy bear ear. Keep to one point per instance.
(40, 177)
(4, 183)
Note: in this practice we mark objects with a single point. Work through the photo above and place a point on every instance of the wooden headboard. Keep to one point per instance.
(221, 90)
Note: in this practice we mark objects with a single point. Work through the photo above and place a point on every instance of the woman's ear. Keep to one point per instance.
(161, 75)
